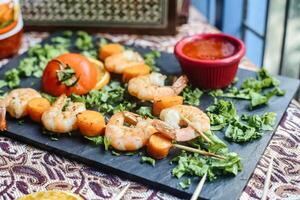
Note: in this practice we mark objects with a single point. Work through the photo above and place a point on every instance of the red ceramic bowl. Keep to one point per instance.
(210, 74)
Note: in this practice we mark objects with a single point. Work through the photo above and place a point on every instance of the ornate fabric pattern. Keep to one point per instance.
(97, 12)
(284, 147)
(25, 169)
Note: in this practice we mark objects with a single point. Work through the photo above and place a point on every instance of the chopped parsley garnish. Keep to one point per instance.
(239, 132)
(145, 111)
(114, 153)
(196, 165)
(100, 140)
(193, 164)
(150, 60)
(53, 138)
(247, 128)
(253, 89)
(66, 75)
(111, 99)
(149, 160)
(185, 183)
(264, 122)
(221, 113)
(50, 98)
(191, 96)
(84, 42)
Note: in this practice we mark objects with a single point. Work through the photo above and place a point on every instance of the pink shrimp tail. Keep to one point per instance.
(2, 118)
(180, 84)
(185, 134)
(164, 128)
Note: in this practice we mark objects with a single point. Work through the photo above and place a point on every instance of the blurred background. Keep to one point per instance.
(269, 28)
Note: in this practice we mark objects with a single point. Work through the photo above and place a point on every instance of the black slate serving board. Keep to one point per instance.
(159, 177)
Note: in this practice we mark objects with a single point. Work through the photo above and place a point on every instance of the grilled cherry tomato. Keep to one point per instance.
(69, 73)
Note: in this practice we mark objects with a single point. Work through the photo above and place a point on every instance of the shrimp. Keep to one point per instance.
(16, 104)
(117, 63)
(61, 118)
(151, 86)
(128, 138)
(183, 122)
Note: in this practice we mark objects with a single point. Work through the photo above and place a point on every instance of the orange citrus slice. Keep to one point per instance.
(51, 195)
(103, 74)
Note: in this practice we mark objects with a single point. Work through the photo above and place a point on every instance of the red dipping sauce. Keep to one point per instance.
(209, 49)
(210, 60)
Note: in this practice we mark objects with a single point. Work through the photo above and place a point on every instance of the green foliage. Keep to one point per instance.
(191, 96)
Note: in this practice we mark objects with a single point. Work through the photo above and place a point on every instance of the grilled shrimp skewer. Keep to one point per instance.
(61, 118)
(128, 138)
(192, 119)
(151, 86)
(16, 104)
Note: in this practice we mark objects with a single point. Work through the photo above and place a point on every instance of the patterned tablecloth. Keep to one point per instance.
(25, 169)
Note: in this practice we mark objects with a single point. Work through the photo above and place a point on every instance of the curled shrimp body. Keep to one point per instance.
(60, 118)
(16, 104)
(128, 138)
(183, 122)
(117, 63)
(151, 86)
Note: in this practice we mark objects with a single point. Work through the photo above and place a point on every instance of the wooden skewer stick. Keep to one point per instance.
(205, 153)
(194, 127)
(199, 187)
(268, 179)
(122, 193)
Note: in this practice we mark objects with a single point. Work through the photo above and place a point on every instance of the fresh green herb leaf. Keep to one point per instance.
(145, 111)
(96, 140)
(192, 96)
(66, 75)
(150, 60)
(50, 98)
(252, 89)
(148, 160)
(257, 100)
(239, 132)
(221, 113)
(111, 99)
(185, 183)
(264, 122)
(196, 165)
(130, 153)
(114, 153)
(12, 78)
(53, 138)
(106, 143)
(67, 34)
(84, 41)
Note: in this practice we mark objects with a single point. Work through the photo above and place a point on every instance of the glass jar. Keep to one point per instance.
(11, 27)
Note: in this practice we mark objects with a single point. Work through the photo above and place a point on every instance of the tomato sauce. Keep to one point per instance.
(209, 49)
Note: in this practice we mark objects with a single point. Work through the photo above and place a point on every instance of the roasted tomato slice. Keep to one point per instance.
(69, 73)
